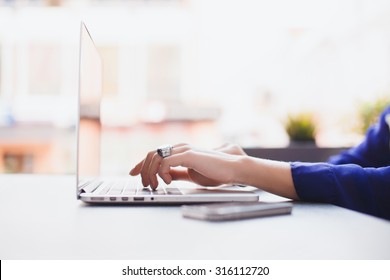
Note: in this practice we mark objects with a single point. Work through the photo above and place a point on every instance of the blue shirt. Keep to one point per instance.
(358, 179)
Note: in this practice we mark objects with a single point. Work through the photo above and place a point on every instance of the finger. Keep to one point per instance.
(200, 179)
(180, 145)
(179, 175)
(229, 148)
(145, 168)
(223, 147)
(156, 162)
(137, 169)
(202, 167)
(153, 167)
(173, 161)
(142, 168)
(174, 175)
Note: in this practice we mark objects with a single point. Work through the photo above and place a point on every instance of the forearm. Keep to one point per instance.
(272, 176)
(349, 185)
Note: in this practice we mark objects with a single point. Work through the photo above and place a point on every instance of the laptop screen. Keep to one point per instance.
(89, 124)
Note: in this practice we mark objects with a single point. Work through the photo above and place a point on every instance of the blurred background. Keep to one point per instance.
(198, 71)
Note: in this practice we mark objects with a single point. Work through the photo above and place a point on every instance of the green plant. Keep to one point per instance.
(369, 112)
(301, 127)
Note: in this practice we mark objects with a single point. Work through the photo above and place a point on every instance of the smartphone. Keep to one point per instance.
(235, 210)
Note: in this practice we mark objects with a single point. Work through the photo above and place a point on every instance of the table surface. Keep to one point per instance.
(40, 218)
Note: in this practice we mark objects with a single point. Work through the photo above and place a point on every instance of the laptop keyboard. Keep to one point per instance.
(131, 188)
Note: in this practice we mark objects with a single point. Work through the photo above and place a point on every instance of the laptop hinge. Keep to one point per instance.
(90, 186)
(79, 192)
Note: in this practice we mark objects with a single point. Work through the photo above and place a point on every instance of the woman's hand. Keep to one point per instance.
(203, 167)
(225, 165)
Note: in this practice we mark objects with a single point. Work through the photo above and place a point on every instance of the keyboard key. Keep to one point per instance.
(115, 192)
(129, 191)
(173, 191)
(144, 191)
(130, 188)
(91, 186)
(159, 191)
(104, 187)
(117, 188)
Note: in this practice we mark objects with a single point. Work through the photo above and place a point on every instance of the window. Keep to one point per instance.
(163, 72)
(44, 70)
(18, 163)
(110, 70)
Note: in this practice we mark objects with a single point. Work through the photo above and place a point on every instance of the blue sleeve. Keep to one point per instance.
(358, 179)
(374, 151)
(351, 186)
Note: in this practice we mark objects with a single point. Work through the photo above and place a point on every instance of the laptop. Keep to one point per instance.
(94, 188)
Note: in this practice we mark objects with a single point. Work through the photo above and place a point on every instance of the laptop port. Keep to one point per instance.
(112, 198)
(97, 198)
(125, 199)
(139, 198)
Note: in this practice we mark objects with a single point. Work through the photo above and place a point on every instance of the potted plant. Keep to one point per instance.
(301, 128)
(369, 113)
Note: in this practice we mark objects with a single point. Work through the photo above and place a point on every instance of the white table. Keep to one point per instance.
(40, 218)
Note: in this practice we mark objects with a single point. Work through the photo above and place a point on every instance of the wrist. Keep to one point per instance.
(270, 175)
(242, 171)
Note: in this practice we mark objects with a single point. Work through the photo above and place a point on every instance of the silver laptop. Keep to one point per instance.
(91, 186)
